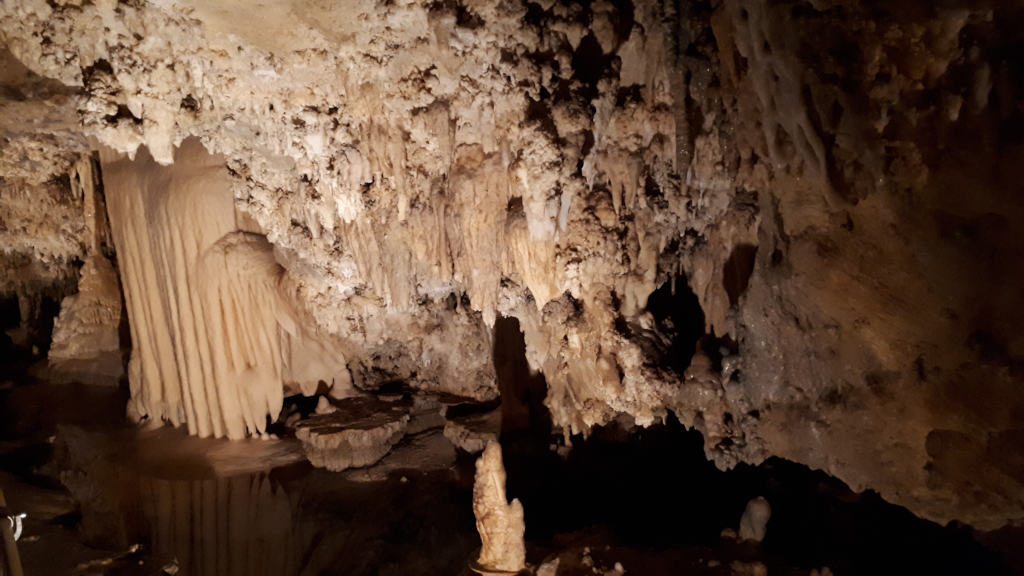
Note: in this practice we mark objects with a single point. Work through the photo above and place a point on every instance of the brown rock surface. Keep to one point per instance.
(472, 432)
(824, 193)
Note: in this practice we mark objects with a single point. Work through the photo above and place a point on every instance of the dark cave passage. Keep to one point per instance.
(678, 315)
(10, 318)
(737, 271)
(653, 489)
(523, 413)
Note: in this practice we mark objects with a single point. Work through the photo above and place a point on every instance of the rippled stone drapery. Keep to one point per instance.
(205, 344)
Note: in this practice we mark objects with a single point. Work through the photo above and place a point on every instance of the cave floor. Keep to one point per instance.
(105, 497)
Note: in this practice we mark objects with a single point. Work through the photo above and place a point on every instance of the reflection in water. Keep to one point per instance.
(291, 520)
(232, 526)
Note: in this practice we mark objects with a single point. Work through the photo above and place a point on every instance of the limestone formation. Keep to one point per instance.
(754, 522)
(86, 335)
(86, 341)
(42, 220)
(500, 524)
(359, 433)
(205, 348)
(815, 199)
(473, 432)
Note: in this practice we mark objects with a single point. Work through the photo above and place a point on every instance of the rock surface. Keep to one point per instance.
(473, 432)
(823, 193)
(359, 433)
(419, 454)
(754, 522)
(499, 522)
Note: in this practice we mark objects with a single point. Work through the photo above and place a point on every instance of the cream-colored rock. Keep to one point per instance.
(357, 434)
(214, 340)
(500, 524)
(324, 406)
(201, 309)
(86, 336)
(86, 340)
(754, 522)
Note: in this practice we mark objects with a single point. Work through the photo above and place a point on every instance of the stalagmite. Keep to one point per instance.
(86, 342)
(500, 524)
(754, 523)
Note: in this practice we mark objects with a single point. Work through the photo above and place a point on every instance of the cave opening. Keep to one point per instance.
(678, 314)
(10, 318)
(524, 417)
(737, 271)
(36, 318)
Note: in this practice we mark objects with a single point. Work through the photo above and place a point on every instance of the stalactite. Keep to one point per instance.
(216, 339)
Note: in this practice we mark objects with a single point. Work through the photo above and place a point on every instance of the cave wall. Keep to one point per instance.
(878, 335)
(42, 221)
(833, 182)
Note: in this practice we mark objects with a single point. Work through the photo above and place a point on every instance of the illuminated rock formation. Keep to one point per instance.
(205, 352)
(499, 523)
(359, 433)
(754, 522)
(834, 184)
(86, 342)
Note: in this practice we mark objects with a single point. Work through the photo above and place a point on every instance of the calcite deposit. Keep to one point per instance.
(754, 522)
(473, 432)
(359, 433)
(499, 522)
(815, 200)
(86, 340)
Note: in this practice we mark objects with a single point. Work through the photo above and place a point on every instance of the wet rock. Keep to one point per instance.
(359, 433)
(425, 414)
(472, 432)
(423, 453)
